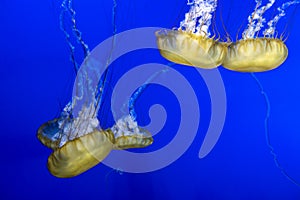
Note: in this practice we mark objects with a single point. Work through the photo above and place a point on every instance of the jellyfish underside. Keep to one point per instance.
(79, 155)
(190, 49)
(48, 134)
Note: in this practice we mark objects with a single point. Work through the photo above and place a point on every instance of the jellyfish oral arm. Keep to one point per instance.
(256, 19)
(82, 125)
(198, 19)
(270, 31)
(128, 134)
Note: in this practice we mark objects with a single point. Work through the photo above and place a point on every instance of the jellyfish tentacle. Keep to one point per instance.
(118, 171)
(63, 12)
(198, 19)
(127, 132)
(50, 133)
(78, 141)
(103, 82)
(75, 30)
(191, 43)
(257, 54)
(256, 20)
(267, 132)
(270, 31)
(83, 144)
(67, 10)
(139, 91)
(76, 137)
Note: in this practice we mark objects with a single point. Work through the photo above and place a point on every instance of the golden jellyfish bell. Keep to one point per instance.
(75, 155)
(255, 55)
(78, 143)
(79, 155)
(128, 134)
(134, 141)
(191, 49)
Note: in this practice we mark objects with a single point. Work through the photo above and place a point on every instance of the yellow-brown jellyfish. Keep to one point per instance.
(255, 55)
(258, 54)
(74, 155)
(78, 141)
(80, 154)
(190, 49)
(128, 134)
(76, 137)
(190, 44)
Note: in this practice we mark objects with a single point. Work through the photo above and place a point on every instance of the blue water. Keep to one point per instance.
(37, 80)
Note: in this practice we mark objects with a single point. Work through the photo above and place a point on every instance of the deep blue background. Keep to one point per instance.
(36, 81)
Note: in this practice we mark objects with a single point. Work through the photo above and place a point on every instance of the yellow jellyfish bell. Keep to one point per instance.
(133, 141)
(75, 155)
(81, 154)
(191, 43)
(191, 49)
(128, 134)
(76, 137)
(255, 55)
(258, 54)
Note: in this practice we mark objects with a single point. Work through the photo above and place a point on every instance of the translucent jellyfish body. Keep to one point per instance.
(191, 49)
(80, 154)
(79, 143)
(255, 55)
(128, 134)
(49, 133)
(190, 44)
(76, 137)
(258, 54)
(73, 156)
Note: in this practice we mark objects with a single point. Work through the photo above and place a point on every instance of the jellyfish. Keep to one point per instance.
(188, 45)
(76, 137)
(191, 43)
(255, 55)
(258, 54)
(133, 136)
(79, 144)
